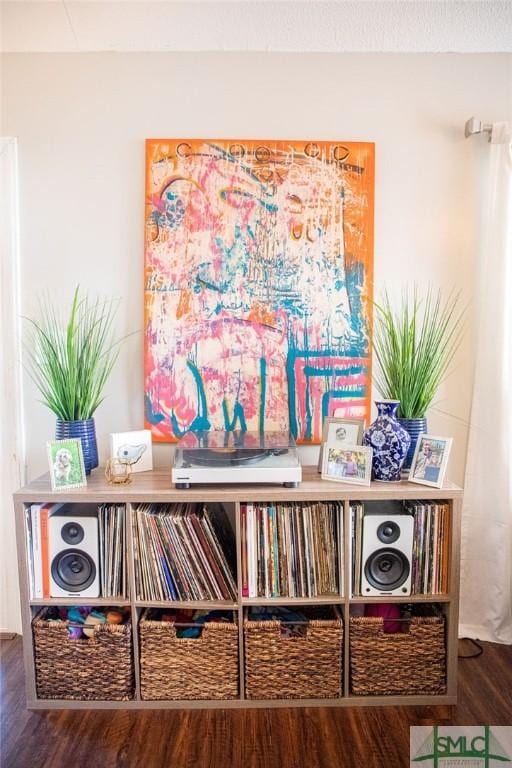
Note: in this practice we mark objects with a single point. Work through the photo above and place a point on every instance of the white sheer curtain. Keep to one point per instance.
(486, 587)
(11, 414)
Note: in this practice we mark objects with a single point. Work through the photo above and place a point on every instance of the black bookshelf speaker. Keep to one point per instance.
(387, 554)
(73, 548)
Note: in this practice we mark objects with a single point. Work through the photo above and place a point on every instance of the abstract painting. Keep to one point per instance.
(258, 281)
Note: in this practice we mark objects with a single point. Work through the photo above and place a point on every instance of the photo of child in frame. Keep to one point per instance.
(351, 464)
(430, 460)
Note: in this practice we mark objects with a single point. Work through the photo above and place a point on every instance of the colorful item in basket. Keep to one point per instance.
(293, 623)
(82, 619)
(114, 617)
(186, 618)
(93, 619)
(390, 612)
(77, 615)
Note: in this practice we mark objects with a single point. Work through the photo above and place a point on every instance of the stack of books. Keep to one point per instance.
(36, 520)
(290, 550)
(112, 545)
(430, 551)
(182, 552)
(356, 527)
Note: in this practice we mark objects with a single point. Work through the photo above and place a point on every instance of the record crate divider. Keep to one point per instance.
(155, 487)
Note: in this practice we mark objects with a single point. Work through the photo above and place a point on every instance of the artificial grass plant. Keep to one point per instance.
(70, 363)
(414, 344)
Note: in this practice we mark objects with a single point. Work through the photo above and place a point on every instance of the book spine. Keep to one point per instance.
(308, 555)
(261, 551)
(45, 558)
(266, 553)
(289, 551)
(245, 575)
(251, 560)
(36, 542)
(30, 550)
(352, 585)
(283, 549)
(446, 548)
(274, 553)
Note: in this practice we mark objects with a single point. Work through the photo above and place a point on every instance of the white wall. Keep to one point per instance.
(81, 120)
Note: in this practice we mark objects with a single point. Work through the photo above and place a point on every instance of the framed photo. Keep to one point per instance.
(66, 461)
(337, 431)
(430, 460)
(133, 448)
(347, 464)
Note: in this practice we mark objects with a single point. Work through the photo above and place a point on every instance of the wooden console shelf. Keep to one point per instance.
(156, 486)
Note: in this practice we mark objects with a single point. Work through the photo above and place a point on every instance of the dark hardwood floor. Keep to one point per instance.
(281, 738)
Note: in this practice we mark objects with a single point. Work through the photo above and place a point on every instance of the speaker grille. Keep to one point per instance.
(73, 570)
(387, 569)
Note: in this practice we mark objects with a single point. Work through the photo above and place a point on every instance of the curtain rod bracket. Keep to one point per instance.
(474, 126)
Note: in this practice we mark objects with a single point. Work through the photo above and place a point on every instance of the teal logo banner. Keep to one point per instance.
(478, 746)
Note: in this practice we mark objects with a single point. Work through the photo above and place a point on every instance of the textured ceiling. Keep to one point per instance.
(266, 25)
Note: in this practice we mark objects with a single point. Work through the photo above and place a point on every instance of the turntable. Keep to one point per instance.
(236, 457)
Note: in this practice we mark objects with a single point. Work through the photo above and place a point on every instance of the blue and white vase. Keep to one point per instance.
(414, 427)
(389, 440)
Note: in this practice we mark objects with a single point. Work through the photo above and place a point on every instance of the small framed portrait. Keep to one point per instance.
(337, 431)
(430, 460)
(66, 461)
(133, 448)
(347, 464)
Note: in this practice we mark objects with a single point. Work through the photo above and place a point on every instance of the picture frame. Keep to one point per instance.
(430, 460)
(354, 429)
(134, 448)
(66, 462)
(347, 464)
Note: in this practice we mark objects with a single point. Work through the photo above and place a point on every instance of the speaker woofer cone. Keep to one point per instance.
(73, 570)
(387, 569)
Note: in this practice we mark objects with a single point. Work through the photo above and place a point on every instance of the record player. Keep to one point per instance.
(236, 457)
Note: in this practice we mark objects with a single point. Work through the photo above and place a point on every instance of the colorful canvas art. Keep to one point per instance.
(258, 275)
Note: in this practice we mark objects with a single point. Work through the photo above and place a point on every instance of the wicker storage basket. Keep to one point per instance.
(307, 667)
(97, 668)
(407, 663)
(173, 667)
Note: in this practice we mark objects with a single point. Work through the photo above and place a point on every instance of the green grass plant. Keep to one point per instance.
(414, 344)
(71, 362)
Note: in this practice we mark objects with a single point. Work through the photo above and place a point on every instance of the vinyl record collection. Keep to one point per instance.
(112, 541)
(290, 550)
(182, 552)
(430, 558)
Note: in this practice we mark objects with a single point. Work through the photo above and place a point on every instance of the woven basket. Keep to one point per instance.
(97, 668)
(412, 662)
(308, 667)
(183, 668)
